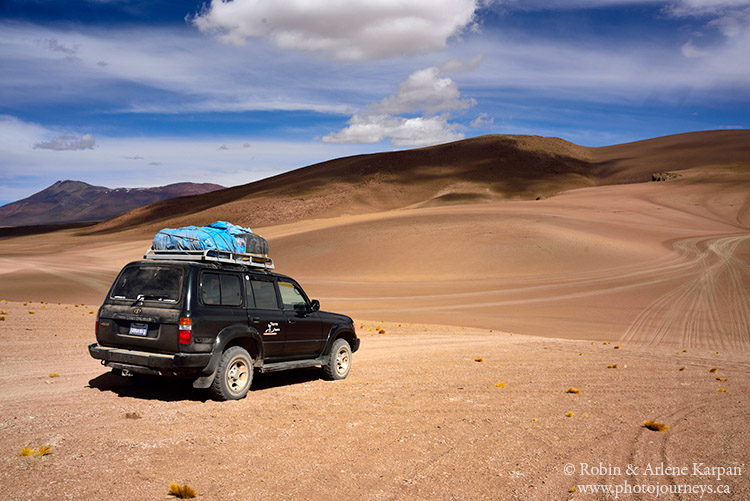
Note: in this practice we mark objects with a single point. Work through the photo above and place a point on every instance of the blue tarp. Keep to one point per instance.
(219, 235)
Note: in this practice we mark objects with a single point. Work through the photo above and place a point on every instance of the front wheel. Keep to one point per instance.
(234, 375)
(339, 360)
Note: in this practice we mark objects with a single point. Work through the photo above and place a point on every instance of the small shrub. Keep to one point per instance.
(381, 331)
(573, 390)
(31, 312)
(54, 374)
(44, 450)
(500, 385)
(605, 342)
(722, 390)
(682, 369)
(182, 491)
(721, 379)
(654, 426)
(2, 319)
(569, 414)
(713, 369)
(573, 489)
(613, 366)
(617, 347)
(479, 359)
(25, 451)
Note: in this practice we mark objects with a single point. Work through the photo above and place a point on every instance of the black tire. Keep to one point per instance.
(234, 375)
(339, 360)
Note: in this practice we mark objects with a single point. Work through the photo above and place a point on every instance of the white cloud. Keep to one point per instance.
(420, 131)
(427, 91)
(345, 30)
(483, 120)
(67, 143)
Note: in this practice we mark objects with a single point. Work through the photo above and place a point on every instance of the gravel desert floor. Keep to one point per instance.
(428, 412)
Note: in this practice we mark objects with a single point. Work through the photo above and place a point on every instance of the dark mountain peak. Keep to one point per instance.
(71, 201)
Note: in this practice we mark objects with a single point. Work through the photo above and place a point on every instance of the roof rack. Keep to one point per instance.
(213, 255)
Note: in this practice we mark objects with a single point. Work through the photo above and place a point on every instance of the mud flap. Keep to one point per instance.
(204, 382)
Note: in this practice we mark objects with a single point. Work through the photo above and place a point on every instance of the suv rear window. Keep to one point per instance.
(151, 282)
(221, 289)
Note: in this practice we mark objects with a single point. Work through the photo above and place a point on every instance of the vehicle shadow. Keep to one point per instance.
(271, 380)
(167, 389)
(175, 389)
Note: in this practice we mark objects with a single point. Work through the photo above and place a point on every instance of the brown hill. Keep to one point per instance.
(481, 169)
(76, 202)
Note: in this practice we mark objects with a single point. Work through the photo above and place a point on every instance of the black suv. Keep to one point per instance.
(216, 318)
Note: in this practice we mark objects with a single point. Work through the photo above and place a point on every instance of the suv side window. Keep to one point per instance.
(292, 297)
(264, 293)
(221, 289)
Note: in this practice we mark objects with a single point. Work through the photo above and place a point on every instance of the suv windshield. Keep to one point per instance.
(149, 282)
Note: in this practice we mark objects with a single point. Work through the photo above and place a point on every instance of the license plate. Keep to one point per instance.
(138, 329)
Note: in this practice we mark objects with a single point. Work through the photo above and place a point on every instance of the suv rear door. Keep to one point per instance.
(265, 315)
(220, 303)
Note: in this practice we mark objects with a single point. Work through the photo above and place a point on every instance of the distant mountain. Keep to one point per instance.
(75, 202)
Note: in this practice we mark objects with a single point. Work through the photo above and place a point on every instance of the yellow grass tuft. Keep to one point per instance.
(684, 351)
(573, 489)
(721, 379)
(381, 331)
(533, 419)
(53, 374)
(569, 414)
(613, 366)
(25, 451)
(722, 390)
(713, 369)
(479, 359)
(31, 312)
(182, 491)
(573, 390)
(682, 369)
(500, 385)
(5, 313)
(617, 347)
(605, 342)
(654, 426)
(2, 319)
(44, 450)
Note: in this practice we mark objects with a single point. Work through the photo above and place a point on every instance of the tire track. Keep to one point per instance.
(711, 309)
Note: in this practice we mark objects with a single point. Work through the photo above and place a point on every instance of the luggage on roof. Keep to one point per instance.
(220, 235)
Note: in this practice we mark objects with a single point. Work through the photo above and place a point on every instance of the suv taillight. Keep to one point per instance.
(186, 330)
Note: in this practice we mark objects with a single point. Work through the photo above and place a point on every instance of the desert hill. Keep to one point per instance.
(76, 201)
(482, 169)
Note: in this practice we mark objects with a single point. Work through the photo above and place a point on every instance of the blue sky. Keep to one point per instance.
(127, 93)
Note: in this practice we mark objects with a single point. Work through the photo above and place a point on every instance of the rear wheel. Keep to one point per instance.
(339, 360)
(234, 375)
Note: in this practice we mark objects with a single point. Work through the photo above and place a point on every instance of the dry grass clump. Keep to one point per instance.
(182, 491)
(381, 331)
(605, 342)
(500, 385)
(132, 415)
(2, 319)
(31, 312)
(54, 374)
(682, 369)
(654, 426)
(721, 379)
(713, 369)
(42, 451)
(3, 312)
(613, 366)
(573, 390)
(479, 359)
(617, 347)
(723, 390)
(569, 414)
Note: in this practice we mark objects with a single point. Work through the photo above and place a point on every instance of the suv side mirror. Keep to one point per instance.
(315, 305)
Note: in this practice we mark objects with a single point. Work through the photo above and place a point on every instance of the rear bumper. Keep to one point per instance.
(174, 362)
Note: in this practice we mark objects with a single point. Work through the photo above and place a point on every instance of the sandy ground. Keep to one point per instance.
(418, 418)
(651, 277)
